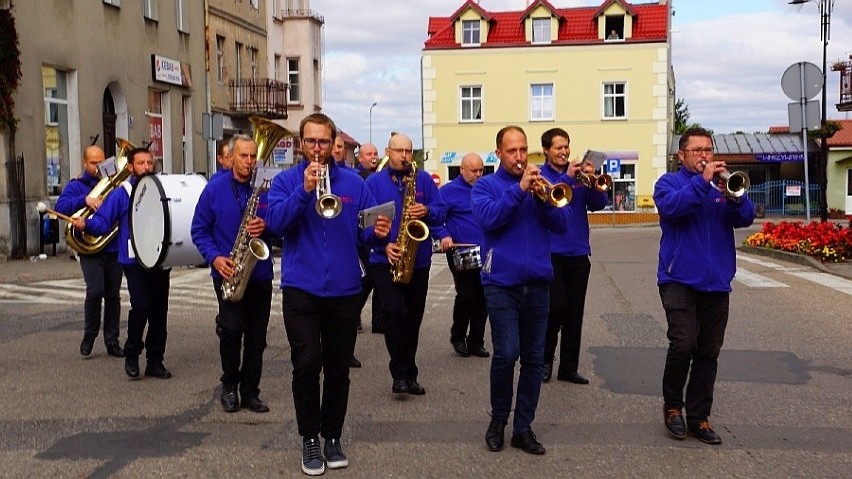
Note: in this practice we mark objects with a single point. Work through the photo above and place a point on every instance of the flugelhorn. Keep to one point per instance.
(328, 204)
(736, 183)
(602, 182)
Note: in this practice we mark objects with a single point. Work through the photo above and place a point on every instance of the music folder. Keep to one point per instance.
(108, 167)
(368, 217)
(597, 157)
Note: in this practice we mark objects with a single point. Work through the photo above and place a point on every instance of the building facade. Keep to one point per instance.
(839, 172)
(94, 71)
(601, 73)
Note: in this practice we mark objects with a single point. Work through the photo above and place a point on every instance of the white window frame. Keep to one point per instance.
(541, 30)
(220, 59)
(474, 29)
(472, 99)
(623, 186)
(238, 59)
(611, 99)
(293, 79)
(276, 67)
(182, 16)
(540, 102)
(149, 9)
(253, 62)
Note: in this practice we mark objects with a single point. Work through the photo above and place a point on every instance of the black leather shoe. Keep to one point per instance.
(704, 432)
(572, 378)
(461, 349)
(115, 350)
(415, 388)
(494, 436)
(400, 386)
(86, 346)
(479, 352)
(157, 371)
(255, 404)
(228, 398)
(131, 366)
(527, 442)
(547, 372)
(673, 418)
(354, 363)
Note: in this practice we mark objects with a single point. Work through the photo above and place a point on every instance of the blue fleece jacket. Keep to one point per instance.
(216, 222)
(697, 247)
(73, 198)
(389, 185)
(114, 210)
(516, 231)
(460, 224)
(575, 241)
(320, 256)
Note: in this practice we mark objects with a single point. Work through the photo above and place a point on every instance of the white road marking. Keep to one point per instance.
(754, 280)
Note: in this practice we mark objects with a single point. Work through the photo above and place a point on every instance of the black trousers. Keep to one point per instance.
(567, 304)
(103, 275)
(321, 332)
(402, 313)
(149, 305)
(696, 330)
(469, 307)
(243, 330)
(368, 285)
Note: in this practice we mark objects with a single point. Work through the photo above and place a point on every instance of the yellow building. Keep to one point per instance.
(601, 73)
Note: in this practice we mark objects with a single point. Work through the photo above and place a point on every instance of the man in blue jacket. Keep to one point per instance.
(403, 304)
(101, 270)
(516, 274)
(463, 228)
(697, 262)
(569, 253)
(148, 288)
(321, 287)
(217, 221)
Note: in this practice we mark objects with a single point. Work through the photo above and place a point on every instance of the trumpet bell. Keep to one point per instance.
(328, 206)
(603, 182)
(560, 195)
(737, 184)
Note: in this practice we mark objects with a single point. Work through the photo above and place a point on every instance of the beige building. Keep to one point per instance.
(602, 73)
(94, 71)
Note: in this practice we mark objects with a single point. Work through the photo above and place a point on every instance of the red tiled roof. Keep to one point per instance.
(773, 130)
(347, 140)
(579, 26)
(844, 136)
(533, 5)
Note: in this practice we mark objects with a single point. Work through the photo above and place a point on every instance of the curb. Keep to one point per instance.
(793, 258)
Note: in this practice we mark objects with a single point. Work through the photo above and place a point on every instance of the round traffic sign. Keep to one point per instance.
(792, 81)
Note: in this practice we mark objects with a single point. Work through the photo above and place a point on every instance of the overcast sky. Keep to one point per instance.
(728, 57)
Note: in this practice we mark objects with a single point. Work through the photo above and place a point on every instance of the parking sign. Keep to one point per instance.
(613, 165)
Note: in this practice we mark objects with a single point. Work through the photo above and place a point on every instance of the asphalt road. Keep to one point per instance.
(782, 403)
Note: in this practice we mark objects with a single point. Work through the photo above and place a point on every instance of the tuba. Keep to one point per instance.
(81, 241)
(411, 233)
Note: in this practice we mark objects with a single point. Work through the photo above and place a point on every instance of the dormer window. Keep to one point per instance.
(470, 32)
(614, 27)
(541, 30)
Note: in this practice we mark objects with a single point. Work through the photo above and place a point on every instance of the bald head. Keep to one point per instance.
(92, 156)
(399, 152)
(472, 167)
(368, 156)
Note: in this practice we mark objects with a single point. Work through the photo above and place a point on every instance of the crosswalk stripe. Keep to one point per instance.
(755, 280)
(834, 282)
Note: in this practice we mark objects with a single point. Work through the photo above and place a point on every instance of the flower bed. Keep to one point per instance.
(828, 242)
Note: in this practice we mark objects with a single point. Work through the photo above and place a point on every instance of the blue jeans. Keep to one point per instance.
(518, 316)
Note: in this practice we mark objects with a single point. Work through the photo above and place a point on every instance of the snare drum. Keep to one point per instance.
(161, 211)
(467, 258)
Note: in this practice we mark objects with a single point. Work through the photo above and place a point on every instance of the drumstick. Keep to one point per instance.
(463, 245)
(42, 208)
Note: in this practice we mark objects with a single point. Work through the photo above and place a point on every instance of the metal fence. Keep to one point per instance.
(784, 198)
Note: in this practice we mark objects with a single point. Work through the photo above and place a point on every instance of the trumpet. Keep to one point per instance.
(557, 195)
(328, 205)
(602, 182)
(736, 183)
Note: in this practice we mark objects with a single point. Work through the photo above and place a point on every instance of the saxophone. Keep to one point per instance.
(411, 233)
(247, 251)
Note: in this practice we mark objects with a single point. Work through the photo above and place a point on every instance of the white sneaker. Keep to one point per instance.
(334, 454)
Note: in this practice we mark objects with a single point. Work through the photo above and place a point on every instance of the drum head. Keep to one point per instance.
(149, 221)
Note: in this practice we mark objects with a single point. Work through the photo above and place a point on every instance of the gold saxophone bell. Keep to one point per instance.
(557, 195)
(82, 242)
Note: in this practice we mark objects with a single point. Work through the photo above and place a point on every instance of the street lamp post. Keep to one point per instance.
(825, 8)
(371, 121)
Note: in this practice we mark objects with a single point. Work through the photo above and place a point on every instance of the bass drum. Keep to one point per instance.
(161, 210)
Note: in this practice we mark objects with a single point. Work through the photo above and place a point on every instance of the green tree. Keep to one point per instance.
(681, 118)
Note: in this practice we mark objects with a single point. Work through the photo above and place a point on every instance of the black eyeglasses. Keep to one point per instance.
(312, 142)
(698, 151)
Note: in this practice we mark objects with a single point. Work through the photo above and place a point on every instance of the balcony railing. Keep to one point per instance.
(259, 96)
